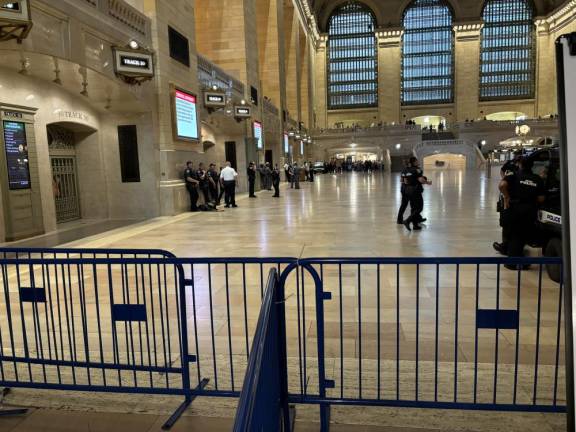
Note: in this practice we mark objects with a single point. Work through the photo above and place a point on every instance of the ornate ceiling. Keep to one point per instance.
(389, 12)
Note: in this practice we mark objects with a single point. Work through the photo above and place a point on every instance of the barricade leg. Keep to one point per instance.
(324, 417)
(183, 406)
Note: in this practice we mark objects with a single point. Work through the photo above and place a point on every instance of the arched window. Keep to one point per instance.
(427, 53)
(507, 50)
(352, 58)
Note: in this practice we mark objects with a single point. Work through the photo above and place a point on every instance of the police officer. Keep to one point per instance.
(204, 184)
(214, 182)
(405, 197)
(191, 185)
(523, 193)
(295, 176)
(508, 169)
(276, 181)
(251, 179)
(415, 179)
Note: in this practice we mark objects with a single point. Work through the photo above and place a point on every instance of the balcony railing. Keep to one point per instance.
(369, 131)
(210, 75)
(269, 107)
(123, 15)
(127, 15)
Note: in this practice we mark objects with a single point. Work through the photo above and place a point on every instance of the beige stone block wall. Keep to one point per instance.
(389, 65)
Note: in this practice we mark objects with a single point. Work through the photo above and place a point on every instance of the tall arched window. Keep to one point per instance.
(427, 53)
(352, 58)
(507, 50)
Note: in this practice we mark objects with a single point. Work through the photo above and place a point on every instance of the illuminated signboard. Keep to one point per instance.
(12, 7)
(302, 148)
(133, 63)
(214, 99)
(185, 116)
(286, 143)
(242, 112)
(15, 11)
(16, 148)
(258, 135)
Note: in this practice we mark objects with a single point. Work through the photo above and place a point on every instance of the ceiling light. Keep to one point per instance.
(134, 44)
(398, 146)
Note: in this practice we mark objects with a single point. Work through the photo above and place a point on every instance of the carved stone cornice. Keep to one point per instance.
(390, 37)
(557, 20)
(468, 31)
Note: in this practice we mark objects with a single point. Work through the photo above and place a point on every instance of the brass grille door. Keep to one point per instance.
(65, 188)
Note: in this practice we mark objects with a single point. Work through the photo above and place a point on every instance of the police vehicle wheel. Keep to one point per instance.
(553, 250)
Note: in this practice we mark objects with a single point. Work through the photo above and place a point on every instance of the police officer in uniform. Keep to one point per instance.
(251, 179)
(508, 169)
(415, 179)
(191, 185)
(276, 181)
(214, 181)
(295, 176)
(204, 184)
(405, 197)
(523, 193)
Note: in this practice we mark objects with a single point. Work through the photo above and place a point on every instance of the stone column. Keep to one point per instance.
(304, 80)
(466, 70)
(291, 32)
(320, 84)
(389, 74)
(545, 78)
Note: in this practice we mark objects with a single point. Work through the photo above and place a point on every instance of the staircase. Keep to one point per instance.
(474, 157)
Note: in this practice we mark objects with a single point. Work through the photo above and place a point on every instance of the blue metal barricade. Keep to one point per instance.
(263, 404)
(460, 333)
(128, 321)
(454, 333)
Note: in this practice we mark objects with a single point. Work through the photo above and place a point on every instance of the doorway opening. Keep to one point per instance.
(70, 148)
(62, 149)
(445, 161)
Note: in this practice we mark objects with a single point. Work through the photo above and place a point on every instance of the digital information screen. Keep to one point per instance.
(186, 116)
(286, 143)
(258, 135)
(16, 148)
(302, 148)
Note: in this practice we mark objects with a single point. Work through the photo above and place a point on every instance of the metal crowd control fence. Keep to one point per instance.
(448, 333)
(459, 333)
(263, 404)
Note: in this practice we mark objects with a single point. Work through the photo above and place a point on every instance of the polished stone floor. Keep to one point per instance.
(368, 339)
(345, 215)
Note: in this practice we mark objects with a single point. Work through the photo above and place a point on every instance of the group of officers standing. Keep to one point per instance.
(211, 184)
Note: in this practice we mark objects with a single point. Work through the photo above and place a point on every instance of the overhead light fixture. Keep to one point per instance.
(353, 145)
(134, 44)
(483, 142)
(291, 133)
(243, 102)
(214, 87)
(398, 146)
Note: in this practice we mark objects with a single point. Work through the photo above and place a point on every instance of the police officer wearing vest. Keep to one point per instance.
(214, 181)
(202, 176)
(276, 181)
(522, 193)
(251, 179)
(191, 185)
(508, 169)
(405, 197)
(414, 179)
